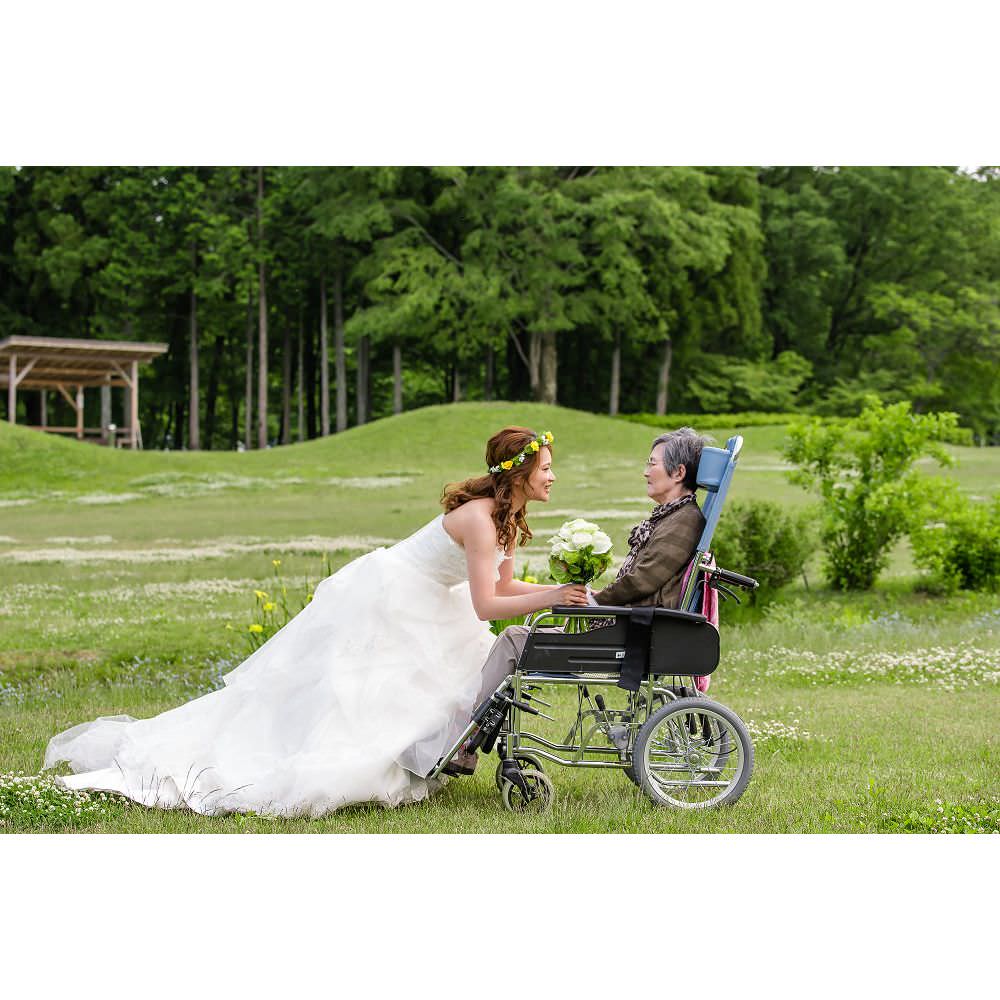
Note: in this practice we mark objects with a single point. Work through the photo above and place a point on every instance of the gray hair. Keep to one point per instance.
(683, 447)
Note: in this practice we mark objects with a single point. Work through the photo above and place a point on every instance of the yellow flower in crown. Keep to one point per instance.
(529, 449)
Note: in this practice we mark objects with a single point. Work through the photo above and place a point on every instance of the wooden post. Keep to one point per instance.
(12, 389)
(79, 412)
(45, 409)
(105, 410)
(133, 417)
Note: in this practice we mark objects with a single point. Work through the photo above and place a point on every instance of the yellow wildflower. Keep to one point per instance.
(275, 562)
(255, 627)
(230, 628)
(261, 595)
(269, 606)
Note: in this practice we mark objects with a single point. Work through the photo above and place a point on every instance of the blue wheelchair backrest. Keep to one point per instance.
(715, 473)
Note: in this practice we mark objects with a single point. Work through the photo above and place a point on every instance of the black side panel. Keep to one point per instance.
(680, 644)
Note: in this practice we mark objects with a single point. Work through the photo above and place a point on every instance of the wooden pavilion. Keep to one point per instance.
(70, 366)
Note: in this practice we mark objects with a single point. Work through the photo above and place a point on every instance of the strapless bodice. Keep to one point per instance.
(435, 554)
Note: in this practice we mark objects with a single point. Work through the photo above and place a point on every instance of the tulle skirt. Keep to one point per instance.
(354, 700)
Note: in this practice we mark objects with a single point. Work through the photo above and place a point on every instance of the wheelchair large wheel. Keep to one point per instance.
(693, 754)
(538, 798)
(524, 760)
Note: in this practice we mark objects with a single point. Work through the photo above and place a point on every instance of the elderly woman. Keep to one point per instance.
(660, 549)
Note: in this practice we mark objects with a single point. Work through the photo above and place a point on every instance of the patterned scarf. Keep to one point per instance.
(637, 538)
(639, 535)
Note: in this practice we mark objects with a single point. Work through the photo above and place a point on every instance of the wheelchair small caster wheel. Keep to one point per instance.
(539, 797)
(523, 760)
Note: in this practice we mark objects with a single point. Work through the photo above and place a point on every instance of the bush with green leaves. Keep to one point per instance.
(764, 540)
(863, 471)
(957, 541)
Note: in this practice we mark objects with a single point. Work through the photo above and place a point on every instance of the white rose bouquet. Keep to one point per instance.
(580, 552)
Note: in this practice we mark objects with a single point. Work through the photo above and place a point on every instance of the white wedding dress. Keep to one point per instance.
(354, 700)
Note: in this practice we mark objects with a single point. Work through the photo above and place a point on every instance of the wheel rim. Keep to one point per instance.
(693, 770)
(540, 793)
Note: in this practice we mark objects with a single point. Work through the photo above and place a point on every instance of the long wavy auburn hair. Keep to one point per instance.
(502, 446)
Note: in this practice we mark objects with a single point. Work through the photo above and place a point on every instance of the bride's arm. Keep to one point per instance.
(508, 586)
(490, 602)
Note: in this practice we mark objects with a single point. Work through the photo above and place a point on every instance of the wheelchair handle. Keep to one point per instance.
(736, 579)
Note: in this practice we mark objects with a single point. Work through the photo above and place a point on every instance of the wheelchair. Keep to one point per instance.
(682, 748)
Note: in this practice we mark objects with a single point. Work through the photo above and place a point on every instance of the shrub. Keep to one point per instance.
(863, 470)
(763, 540)
(958, 541)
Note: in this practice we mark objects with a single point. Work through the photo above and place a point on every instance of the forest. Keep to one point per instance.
(299, 301)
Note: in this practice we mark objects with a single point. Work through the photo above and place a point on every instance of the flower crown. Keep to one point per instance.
(529, 449)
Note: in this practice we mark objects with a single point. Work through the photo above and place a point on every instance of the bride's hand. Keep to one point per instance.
(574, 594)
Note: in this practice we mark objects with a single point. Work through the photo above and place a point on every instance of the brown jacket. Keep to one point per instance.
(659, 568)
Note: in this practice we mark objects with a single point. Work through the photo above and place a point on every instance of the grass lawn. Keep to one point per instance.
(876, 712)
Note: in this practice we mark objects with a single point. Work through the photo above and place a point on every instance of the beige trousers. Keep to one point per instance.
(503, 658)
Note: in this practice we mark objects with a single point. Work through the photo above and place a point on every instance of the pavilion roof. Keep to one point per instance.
(73, 361)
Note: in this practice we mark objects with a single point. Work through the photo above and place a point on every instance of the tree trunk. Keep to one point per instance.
(338, 347)
(248, 402)
(301, 396)
(616, 375)
(234, 408)
(534, 363)
(286, 384)
(663, 388)
(548, 369)
(362, 396)
(397, 378)
(194, 430)
(213, 390)
(456, 383)
(310, 382)
(324, 363)
(262, 322)
(488, 380)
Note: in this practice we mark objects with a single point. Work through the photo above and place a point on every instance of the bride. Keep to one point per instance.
(357, 697)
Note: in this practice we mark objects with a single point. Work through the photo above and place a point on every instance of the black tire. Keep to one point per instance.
(523, 759)
(726, 756)
(540, 796)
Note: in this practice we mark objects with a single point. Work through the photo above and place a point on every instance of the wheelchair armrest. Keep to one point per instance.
(613, 611)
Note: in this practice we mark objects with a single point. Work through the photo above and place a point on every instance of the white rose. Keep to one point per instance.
(602, 543)
(582, 538)
(565, 532)
(587, 526)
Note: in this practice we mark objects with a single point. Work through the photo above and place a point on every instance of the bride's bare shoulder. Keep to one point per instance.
(472, 522)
